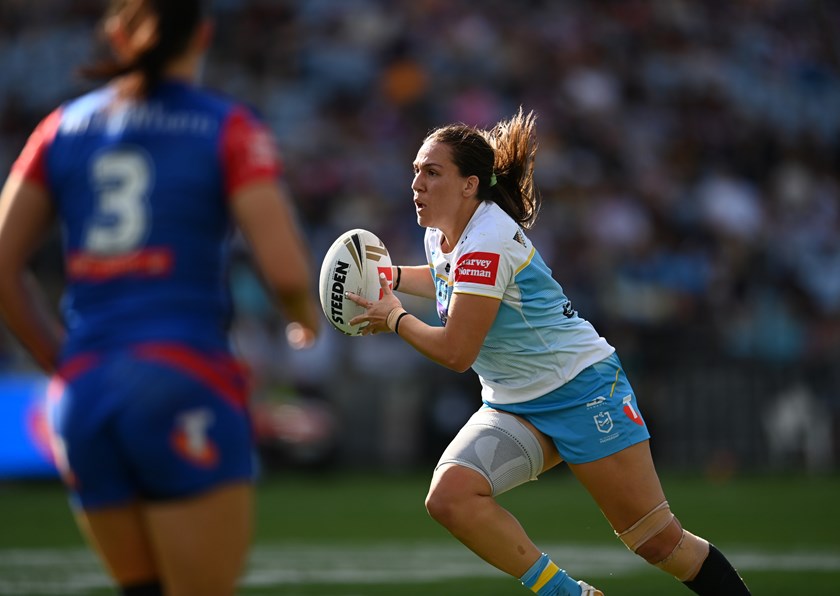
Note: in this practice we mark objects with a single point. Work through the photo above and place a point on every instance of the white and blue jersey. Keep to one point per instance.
(540, 360)
(538, 342)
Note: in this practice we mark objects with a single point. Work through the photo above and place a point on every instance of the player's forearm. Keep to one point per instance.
(25, 311)
(415, 280)
(436, 343)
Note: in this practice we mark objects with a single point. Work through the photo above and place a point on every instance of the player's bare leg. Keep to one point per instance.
(461, 499)
(198, 546)
(119, 536)
(203, 543)
(627, 489)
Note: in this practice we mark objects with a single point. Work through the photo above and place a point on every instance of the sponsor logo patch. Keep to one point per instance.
(630, 412)
(339, 277)
(388, 272)
(478, 268)
(149, 262)
(191, 440)
(596, 402)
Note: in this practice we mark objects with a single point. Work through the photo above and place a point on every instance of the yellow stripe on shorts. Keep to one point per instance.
(612, 389)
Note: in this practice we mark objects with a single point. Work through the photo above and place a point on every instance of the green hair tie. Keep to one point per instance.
(493, 179)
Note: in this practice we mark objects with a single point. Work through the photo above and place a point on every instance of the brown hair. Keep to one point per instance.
(176, 22)
(503, 160)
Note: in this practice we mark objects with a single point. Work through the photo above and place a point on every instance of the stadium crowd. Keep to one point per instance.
(689, 163)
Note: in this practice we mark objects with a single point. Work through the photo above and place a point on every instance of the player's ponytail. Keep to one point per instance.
(514, 145)
(174, 24)
(503, 160)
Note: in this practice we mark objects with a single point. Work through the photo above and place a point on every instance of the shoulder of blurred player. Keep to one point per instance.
(249, 151)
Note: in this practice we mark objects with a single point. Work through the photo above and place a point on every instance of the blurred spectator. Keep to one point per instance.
(690, 149)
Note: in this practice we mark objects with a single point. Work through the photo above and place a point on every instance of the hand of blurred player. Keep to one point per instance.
(299, 337)
(376, 313)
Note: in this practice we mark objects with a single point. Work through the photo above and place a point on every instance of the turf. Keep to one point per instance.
(349, 534)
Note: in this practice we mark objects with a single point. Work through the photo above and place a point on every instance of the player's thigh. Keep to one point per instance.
(202, 542)
(493, 452)
(118, 535)
(551, 457)
(625, 485)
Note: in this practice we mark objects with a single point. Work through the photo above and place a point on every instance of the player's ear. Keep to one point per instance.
(470, 186)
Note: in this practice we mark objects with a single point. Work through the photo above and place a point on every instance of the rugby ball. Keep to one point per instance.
(352, 264)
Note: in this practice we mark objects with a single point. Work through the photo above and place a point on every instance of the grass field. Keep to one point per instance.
(356, 535)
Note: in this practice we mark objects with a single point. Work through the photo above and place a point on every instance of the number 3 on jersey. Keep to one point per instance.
(121, 180)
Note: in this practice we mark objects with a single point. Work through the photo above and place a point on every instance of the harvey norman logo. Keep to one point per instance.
(477, 267)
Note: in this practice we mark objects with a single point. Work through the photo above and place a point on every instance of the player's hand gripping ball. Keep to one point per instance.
(352, 264)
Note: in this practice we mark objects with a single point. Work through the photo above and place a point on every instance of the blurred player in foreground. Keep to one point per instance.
(553, 389)
(148, 176)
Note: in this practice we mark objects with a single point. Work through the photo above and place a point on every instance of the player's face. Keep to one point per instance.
(438, 186)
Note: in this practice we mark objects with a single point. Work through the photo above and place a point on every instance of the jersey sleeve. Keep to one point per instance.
(31, 163)
(248, 151)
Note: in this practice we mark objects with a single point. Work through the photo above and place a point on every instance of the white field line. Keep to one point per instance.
(75, 571)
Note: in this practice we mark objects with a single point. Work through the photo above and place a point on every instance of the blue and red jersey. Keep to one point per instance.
(141, 188)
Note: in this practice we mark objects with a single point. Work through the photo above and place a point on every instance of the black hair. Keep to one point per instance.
(503, 160)
(176, 22)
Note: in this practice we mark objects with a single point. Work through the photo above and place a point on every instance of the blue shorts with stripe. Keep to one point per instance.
(592, 416)
(151, 422)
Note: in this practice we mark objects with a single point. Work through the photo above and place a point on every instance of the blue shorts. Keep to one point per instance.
(592, 416)
(152, 422)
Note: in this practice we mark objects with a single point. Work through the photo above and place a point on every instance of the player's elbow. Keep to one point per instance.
(458, 361)
(462, 349)
(462, 367)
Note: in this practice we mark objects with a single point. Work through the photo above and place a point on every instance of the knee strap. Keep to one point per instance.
(497, 446)
(656, 520)
(687, 557)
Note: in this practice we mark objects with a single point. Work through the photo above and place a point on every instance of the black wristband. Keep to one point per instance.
(397, 282)
(397, 324)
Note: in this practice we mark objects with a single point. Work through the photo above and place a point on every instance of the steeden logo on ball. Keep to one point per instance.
(352, 264)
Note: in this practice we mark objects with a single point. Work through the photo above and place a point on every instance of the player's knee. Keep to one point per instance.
(648, 537)
(687, 557)
(452, 493)
(659, 546)
(439, 509)
(436, 504)
(660, 539)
